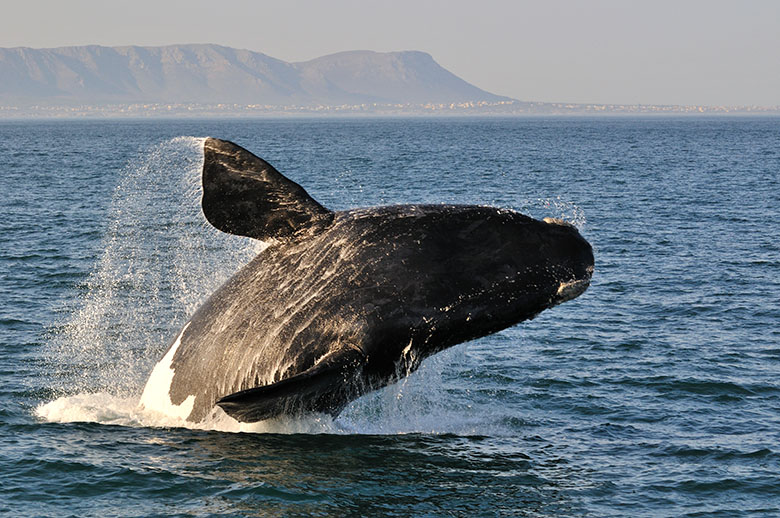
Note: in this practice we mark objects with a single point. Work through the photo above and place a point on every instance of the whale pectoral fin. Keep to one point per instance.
(326, 387)
(244, 195)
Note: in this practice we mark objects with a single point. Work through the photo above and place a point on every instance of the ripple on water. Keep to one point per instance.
(653, 394)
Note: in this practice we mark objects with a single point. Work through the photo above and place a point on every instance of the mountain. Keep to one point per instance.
(213, 74)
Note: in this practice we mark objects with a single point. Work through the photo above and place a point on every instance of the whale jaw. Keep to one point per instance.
(570, 290)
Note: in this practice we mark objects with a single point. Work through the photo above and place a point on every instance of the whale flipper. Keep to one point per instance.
(244, 195)
(321, 388)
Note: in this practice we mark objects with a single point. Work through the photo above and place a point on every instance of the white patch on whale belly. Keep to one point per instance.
(156, 396)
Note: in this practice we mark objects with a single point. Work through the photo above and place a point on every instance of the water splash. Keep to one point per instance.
(161, 259)
(418, 403)
(556, 208)
(110, 409)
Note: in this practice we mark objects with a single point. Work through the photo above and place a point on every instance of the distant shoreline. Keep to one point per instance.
(214, 81)
(465, 109)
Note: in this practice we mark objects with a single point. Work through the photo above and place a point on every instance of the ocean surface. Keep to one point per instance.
(655, 393)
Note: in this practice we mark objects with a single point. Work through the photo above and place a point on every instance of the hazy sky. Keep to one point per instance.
(604, 51)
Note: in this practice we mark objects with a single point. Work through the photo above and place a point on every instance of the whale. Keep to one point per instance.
(341, 303)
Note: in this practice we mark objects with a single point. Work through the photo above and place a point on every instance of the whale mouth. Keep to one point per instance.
(572, 289)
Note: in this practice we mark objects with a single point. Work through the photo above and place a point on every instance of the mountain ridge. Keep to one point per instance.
(209, 73)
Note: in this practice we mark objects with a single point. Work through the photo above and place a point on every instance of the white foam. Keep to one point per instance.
(90, 408)
(109, 409)
(414, 405)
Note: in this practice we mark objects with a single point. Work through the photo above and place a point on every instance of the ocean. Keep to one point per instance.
(655, 393)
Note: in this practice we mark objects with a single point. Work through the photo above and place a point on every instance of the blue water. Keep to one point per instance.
(656, 393)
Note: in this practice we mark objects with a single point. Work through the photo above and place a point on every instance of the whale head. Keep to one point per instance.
(487, 269)
(574, 259)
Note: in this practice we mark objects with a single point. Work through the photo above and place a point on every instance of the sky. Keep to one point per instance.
(588, 51)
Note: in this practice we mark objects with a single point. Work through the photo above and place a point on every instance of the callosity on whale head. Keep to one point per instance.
(342, 303)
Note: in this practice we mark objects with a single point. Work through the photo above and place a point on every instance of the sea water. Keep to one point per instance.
(655, 393)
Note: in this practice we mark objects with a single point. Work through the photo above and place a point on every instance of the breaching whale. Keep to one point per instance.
(342, 303)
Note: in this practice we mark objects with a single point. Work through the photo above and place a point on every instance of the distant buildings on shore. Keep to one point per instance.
(485, 108)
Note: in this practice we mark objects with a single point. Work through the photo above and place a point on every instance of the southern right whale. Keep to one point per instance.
(342, 303)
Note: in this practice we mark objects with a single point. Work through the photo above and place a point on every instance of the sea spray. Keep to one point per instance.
(160, 260)
(558, 208)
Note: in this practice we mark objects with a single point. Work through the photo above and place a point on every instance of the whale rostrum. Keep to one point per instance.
(342, 303)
